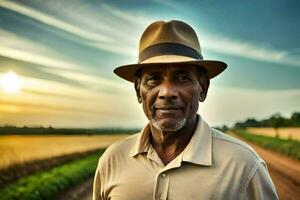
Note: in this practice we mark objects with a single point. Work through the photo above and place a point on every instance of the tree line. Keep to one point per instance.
(275, 121)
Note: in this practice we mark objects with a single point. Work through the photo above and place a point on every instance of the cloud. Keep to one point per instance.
(100, 28)
(19, 48)
(90, 27)
(169, 3)
(52, 21)
(234, 47)
(27, 56)
(95, 83)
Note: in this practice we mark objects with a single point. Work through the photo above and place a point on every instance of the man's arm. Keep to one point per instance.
(260, 186)
(97, 186)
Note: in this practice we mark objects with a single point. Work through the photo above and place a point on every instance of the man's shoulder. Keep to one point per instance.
(234, 148)
(122, 146)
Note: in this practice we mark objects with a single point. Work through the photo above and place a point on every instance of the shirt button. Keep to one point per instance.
(164, 175)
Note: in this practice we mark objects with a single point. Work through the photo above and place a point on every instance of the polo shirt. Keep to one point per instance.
(212, 166)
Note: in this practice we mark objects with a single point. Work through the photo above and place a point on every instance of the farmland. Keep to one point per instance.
(18, 149)
(82, 153)
(288, 147)
(56, 163)
(284, 132)
(53, 181)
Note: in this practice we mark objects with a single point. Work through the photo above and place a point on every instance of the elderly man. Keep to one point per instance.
(177, 156)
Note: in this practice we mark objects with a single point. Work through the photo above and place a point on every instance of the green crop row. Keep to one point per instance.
(47, 185)
(288, 147)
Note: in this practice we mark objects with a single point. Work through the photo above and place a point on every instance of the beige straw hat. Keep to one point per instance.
(169, 42)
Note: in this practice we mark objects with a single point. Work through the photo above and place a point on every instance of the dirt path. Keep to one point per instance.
(80, 192)
(285, 172)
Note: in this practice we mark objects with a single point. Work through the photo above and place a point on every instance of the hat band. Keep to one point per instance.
(169, 49)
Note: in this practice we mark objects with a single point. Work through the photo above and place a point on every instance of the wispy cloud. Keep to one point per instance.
(43, 106)
(234, 47)
(52, 21)
(95, 83)
(19, 48)
(98, 28)
(169, 3)
(35, 58)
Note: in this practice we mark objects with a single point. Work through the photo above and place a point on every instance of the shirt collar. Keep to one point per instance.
(142, 143)
(198, 150)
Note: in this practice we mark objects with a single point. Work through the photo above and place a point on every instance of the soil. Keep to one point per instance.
(80, 192)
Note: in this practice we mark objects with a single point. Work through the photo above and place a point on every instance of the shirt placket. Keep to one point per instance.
(162, 186)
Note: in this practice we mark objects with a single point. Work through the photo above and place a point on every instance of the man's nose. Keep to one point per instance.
(168, 91)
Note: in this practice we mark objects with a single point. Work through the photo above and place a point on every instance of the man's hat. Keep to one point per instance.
(169, 42)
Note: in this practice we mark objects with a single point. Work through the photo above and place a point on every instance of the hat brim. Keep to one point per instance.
(212, 67)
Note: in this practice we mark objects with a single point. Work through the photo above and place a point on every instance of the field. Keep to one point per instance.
(19, 149)
(34, 167)
(66, 165)
(53, 182)
(285, 146)
(284, 133)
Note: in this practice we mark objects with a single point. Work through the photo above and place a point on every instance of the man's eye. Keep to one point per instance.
(183, 78)
(153, 80)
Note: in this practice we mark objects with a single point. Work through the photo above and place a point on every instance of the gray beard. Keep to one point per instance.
(179, 126)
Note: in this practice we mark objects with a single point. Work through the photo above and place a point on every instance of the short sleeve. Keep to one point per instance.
(97, 186)
(98, 181)
(260, 186)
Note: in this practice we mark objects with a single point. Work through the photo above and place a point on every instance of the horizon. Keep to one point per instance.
(56, 67)
(133, 128)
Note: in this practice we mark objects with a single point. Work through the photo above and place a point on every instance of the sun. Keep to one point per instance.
(10, 82)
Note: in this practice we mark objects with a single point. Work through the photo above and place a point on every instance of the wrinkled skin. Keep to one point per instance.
(170, 95)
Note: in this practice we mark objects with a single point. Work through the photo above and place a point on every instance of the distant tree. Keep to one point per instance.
(251, 123)
(225, 128)
(276, 120)
(295, 119)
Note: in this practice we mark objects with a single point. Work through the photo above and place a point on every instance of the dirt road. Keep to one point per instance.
(285, 173)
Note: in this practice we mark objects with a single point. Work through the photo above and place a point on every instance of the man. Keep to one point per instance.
(177, 156)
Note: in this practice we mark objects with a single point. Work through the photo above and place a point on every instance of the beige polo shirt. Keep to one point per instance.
(212, 166)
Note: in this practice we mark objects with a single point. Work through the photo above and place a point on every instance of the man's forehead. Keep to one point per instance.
(170, 69)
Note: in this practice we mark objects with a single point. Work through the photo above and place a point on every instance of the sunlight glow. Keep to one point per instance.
(10, 82)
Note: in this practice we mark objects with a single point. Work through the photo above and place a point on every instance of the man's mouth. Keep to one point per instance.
(168, 110)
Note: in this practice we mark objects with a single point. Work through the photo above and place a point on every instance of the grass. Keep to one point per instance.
(287, 147)
(48, 185)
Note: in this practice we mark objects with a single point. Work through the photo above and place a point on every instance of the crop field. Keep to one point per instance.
(284, 133)
(49, 184)
(285, 146)
(19, 149)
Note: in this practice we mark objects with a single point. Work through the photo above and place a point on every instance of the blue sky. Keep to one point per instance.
(65, 52)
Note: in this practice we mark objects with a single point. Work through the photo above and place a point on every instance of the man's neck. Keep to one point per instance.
(169, 145)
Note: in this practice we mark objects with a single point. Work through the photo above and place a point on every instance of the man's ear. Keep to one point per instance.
(204, 84)
(137, 85)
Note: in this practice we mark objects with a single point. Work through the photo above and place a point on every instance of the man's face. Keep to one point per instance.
(170, 95)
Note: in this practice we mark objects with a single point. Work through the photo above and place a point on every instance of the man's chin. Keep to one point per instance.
(168, 125)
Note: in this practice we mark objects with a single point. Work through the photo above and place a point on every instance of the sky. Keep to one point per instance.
(64, 52)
